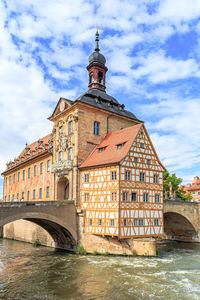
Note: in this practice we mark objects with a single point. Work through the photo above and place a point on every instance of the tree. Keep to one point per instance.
(176, 189)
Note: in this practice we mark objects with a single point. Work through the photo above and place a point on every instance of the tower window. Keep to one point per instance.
(70, 153)
(100, 77)
(96, 130)
(60, 155)
(91, 77)
(70, 127)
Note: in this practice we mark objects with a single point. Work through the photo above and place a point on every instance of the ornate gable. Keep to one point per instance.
(61, 106)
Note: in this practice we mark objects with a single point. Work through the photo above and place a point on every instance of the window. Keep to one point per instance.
(33, 194)
(86, 197)
(193, 193)
(35, 170)
(6, 180)
(145, 197)
(70, 153)
(99, 222)
(23, 196)
(119, 146)
(40, 193)
(18, 176)
(156, 222)
(14, 178)
(134, 197)
(29, 172)
(70, 127)
(9, 198)
(198, 193)
(113, 196)
(102, 149)
(13, 197)
(157, 198)
(128, 175)
(135, 222)
(142, 145)
(142, 177)
(18, 196)
(90, 222)
(155, 178)
(141, 222)
(5, 198)
(135, 159)
(148, 161)
(96, 130)
(100, 77)
(60, 155)
(125, 222)
(9, 179)
(41, 168)
(113, 175)
(23, 175)
(91, 77)
(125, 196)
(112, 223)
(47, 192)
(86, 177)
(28, 195)
(48, 165)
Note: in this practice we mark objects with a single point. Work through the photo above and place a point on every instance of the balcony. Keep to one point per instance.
(62, 167)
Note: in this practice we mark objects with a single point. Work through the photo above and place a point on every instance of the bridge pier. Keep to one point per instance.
(1, 231)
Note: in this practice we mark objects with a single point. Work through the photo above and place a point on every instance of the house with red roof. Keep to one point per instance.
(194, 189)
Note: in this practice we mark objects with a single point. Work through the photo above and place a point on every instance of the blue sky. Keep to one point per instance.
(153, 56)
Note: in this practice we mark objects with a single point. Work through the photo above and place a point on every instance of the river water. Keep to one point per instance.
(30, 273)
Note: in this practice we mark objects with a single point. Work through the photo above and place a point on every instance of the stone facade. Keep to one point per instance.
(194, 189)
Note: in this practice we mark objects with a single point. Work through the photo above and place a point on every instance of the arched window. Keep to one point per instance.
(91, 77)
(100, 77)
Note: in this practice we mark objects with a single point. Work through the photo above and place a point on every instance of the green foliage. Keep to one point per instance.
(134, 253)
(175, 181)
(36, 243)
(124, 254)
(106, 253)
(81, 250)
(96, 253)
(157, 252)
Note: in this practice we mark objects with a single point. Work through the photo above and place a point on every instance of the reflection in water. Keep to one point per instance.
(29, 273)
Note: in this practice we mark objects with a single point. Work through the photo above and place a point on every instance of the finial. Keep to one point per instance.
(97, 40)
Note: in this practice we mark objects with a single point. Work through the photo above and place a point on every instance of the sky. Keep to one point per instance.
(152, 51)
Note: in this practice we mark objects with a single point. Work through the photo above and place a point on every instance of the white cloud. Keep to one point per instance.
(159, 68)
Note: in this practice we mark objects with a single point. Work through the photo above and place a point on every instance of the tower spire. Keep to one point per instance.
(97, 41)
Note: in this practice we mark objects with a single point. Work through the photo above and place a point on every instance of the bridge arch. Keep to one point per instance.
(179, 227)
(61, 229)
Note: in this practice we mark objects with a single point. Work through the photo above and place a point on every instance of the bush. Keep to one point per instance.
(157, 252)
(134, 252)
(81, 250)
(96, 253)
(124, 254)
(36, 243)
(106, 253)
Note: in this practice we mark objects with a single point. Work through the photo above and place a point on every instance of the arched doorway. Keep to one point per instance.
(63, 189)
(178, 228)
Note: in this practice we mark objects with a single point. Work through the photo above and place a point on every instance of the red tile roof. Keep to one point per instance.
(110, 153)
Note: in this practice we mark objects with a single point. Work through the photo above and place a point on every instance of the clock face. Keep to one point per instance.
(62, 106)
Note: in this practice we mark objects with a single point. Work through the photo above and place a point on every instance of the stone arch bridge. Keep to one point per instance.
(182, 220)
(56, 217)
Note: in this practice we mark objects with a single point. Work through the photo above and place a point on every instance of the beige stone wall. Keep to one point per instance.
(91, 243)
(26, 231)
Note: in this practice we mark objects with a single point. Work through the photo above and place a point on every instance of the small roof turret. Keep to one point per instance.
(96, 56)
